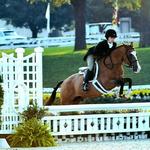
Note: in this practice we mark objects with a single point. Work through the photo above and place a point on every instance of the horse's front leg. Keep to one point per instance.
(120, 83)
(129, 81)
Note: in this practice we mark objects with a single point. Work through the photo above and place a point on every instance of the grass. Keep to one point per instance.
(60, 62)
(143, 77)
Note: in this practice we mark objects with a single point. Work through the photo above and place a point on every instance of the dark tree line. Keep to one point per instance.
(21, 13)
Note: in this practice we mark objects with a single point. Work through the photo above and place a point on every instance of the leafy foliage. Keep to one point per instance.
(94, 11)
(30, 16)
(31, 133)
(55, 2)
(129, 4)
(33, 111)
(107, 100)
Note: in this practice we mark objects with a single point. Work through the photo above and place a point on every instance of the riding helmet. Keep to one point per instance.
(110, 33)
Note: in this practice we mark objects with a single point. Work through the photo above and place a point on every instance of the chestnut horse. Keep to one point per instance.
(111, 71)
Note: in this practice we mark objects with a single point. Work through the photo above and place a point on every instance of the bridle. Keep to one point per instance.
(111, 64)
(130, 61)
(128, 54)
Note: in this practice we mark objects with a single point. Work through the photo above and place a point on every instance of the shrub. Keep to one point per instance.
(105, 100)
(31, 133)
(33, 111)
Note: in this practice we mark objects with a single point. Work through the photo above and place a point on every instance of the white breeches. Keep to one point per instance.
(90, 62)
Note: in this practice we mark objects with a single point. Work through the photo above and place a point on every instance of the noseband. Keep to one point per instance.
(128, 53)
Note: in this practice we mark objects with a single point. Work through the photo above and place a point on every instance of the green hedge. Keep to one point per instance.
(105, 100)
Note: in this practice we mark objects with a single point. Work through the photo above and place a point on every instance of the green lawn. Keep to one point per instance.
(60, 62)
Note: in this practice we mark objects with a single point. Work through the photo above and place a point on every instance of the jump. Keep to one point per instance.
(104, 72)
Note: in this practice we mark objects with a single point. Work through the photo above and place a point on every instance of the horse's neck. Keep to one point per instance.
(107, 76)
(118, 54)
(117, 69)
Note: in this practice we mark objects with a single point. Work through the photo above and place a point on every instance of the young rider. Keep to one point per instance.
(101, 50)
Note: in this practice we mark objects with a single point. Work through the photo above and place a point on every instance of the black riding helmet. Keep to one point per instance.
(110, 33)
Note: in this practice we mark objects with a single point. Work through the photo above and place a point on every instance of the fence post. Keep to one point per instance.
(7, 77)
(20, 77)
(6, 105)
(39, 75)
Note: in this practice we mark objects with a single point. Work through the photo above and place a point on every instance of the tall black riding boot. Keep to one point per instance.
(86, 80)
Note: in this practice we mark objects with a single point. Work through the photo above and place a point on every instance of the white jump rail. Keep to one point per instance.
(134, 87)
(100, 123)
(94, 107)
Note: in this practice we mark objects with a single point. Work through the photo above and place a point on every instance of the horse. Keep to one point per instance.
(111, 71)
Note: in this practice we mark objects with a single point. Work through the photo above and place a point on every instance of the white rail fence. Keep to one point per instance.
(134, 87)
(99, 123)
(81, 125)
(64, 41)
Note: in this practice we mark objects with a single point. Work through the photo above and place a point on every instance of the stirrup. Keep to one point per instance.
(85, 87)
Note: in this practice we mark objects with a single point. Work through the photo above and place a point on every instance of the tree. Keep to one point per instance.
(133, 5)
(80, 30)
(129, 4)
(95, 11)
(79, 16)
(57, 16)
(145, 23)
(22, 14)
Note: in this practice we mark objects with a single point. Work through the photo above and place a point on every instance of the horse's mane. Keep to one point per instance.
(123, 45)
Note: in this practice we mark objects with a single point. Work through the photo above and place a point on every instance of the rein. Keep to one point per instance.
(111, 65)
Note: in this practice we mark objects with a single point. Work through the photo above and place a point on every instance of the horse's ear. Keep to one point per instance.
(131, 44)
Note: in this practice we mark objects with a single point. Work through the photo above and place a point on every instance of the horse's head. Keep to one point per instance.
(130, 58)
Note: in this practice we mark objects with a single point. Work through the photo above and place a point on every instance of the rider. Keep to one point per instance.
(101, 50)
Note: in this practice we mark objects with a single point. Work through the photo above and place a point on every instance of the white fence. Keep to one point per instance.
(64, 41)
(99, 123)
(87, 123)
(22, 79)
(9, 122)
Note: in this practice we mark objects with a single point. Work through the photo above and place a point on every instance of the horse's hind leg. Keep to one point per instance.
(77, 100)
(66, 97)
(70, 100)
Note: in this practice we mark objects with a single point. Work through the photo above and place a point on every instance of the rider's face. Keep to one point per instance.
(111, 39)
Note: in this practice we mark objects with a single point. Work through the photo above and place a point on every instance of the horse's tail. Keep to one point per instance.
(52, 97)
